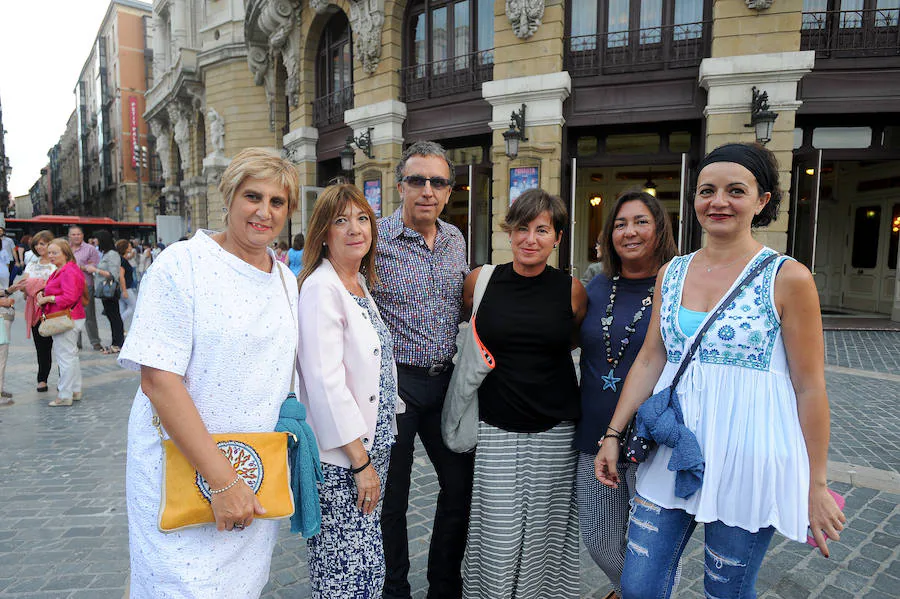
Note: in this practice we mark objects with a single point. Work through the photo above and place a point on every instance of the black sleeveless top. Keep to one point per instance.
(527, 324)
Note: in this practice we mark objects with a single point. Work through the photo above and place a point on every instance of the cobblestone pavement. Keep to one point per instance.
(865, 350)
(64, 534)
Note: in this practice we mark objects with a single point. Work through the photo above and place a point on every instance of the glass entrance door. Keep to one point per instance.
(469, 209)
(870, 267)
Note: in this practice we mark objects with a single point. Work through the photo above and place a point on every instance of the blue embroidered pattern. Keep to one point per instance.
(744, 334)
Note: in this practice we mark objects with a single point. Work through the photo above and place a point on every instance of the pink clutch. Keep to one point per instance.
(839, 500)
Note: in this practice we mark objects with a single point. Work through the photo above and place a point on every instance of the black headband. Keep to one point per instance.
(752, 158)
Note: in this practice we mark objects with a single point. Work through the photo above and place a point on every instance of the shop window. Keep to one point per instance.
(831, 138)
(586, 145)
(638, 143)
(866, 230)
(891, 138)
(334, 73)
(680, 141)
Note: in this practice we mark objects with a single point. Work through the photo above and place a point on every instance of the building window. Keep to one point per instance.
(334, 73)
(851, 27)
(629, 34)
(450, 47)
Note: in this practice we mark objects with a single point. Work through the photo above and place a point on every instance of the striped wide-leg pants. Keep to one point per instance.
(523, 530)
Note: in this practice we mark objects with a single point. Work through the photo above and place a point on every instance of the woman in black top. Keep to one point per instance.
(636, 241)
(523, 531)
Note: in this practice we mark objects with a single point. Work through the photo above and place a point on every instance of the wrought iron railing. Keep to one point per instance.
(446, 77)
(329, 109)
(864, 32)
(652, 48)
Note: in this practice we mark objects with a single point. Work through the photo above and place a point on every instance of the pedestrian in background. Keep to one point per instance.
(7, 315)
(128, 300)
(87, 256)
(752, 402)
(37, 272)
(523, 529)
(64, 291)
(596, 267)
(348, 382)
(295, 254)
(110, 269)
(421, 264)
(214, 336)
(281, 251)
(636, 241)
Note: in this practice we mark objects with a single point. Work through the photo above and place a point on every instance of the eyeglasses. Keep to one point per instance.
(418, 181)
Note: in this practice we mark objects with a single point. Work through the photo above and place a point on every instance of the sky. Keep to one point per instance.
(43, 47)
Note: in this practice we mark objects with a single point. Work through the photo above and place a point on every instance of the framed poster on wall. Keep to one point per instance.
(520, 179)
(372, 191)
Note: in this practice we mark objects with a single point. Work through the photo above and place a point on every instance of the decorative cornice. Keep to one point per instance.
(300, 145)
(543, 94)
(367, 22)
(386, 118)
(758, 4)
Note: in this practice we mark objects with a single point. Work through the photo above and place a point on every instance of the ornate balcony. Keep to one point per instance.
(650, 49)
(851, 33)
(183, 74)
(447, 77)
(329, 109)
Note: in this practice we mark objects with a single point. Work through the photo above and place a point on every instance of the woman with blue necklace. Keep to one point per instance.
(636, 240)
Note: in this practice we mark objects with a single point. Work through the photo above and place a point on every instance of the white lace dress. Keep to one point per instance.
(228, 328)
(738, 399)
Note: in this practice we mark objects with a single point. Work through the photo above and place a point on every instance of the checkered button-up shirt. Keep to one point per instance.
(420, 293)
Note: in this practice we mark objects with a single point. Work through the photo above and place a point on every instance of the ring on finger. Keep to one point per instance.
(367, 499)
(238, 526)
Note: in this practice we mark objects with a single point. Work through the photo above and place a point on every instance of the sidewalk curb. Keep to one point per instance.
(863, 476)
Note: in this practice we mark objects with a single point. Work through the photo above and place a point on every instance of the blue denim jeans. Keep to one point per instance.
(657, 537)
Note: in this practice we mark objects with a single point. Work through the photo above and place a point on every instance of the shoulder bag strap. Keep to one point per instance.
(484, 277)
(723, 305)
(296, 331)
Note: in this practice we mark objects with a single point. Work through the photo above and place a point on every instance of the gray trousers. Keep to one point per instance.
(90, 323)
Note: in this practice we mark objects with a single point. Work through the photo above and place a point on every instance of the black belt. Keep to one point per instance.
(433, 370)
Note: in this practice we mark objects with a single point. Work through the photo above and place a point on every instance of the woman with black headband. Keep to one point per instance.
(743, 441)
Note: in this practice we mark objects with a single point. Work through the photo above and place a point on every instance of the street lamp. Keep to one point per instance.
(363, 142)
(515, 133)
(761, 118)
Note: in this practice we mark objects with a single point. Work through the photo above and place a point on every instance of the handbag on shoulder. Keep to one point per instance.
(459, 416)
(55, 323)
(637, 447)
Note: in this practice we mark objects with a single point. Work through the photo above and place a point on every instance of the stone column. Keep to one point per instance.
(386, 119)
(178, 20)
(300, 148)
(729, 81)
(159, 46)
(213, 167)
(543, 96)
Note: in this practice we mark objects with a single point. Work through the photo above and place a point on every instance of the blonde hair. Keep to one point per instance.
(64, 247)
(260, 163)
(333, 201)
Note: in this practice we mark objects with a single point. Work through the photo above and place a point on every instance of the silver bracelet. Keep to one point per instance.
(225, 488)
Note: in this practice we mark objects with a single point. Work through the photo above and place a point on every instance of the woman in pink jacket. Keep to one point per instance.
(63, 291)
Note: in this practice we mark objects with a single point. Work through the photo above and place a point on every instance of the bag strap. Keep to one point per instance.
(484, 277)
(290, 308)
(155, 418)
(712, 317)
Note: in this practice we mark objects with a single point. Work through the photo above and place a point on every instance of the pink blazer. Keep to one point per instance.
(339, 363)
(67, 284)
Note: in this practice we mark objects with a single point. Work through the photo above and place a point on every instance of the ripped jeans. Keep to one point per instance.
(657, 537)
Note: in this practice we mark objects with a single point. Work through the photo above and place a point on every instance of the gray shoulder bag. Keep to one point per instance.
(459, 418)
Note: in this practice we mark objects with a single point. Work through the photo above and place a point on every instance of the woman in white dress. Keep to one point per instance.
(214, 338)
(753, 397)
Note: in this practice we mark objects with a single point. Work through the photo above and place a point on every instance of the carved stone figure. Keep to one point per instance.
(216, 131)
(525, 16)
(182, 133)
(319, 5)
(163, 150)
(367, 21)
(758, 4)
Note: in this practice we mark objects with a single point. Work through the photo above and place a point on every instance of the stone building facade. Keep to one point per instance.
(617, 95)
(111, 131)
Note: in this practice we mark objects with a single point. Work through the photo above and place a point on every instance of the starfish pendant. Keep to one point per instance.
(610, 380)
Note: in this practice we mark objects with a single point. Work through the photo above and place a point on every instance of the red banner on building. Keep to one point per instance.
(135, 137)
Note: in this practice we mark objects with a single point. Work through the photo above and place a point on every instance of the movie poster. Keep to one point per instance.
(372, 191)
(520, 179)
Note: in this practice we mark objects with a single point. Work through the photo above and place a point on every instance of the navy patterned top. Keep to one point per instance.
(384, 436)
(420, 293)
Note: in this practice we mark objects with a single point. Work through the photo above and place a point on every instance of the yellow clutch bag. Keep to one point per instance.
(261, 459)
